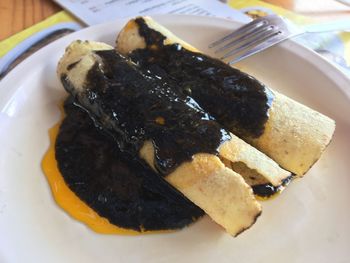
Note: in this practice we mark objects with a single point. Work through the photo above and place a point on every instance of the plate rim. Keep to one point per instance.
(19, 88)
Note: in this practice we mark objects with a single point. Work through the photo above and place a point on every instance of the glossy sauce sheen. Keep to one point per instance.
(116, 186)
(134, 109)
(238, 101)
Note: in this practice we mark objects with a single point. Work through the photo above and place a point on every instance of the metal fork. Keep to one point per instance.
(265, 32)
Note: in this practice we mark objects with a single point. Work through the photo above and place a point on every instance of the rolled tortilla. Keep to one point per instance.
(258, 168)
(205, 180)
(294, 135)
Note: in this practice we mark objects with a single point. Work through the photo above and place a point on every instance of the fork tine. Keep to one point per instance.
(256, 23)
(253, 37)
(261, 46)
(257, 39)
(241, 38)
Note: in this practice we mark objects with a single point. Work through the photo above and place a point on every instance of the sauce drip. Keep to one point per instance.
(266, 191)
(121, 195)
(134, 109)
(238, 101)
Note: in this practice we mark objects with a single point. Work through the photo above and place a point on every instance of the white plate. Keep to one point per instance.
(309, 222)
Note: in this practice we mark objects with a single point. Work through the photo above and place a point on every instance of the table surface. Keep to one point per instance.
(16, 15)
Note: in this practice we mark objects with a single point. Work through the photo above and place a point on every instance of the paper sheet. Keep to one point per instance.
(94, 12)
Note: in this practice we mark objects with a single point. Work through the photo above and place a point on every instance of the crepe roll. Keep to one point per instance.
(290, 133)
(170, 132)
(256, 168)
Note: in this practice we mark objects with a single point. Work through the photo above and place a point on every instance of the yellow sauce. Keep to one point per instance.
(67, 200)
(267, 198)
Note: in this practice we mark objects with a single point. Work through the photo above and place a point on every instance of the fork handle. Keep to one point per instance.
(339, 25)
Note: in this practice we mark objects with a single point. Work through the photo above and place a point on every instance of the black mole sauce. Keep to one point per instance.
(117, 186)
(268, 190)
(134, 109)
(238, 101)
(158, 105)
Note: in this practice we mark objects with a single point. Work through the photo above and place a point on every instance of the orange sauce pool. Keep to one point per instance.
(71, 203)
